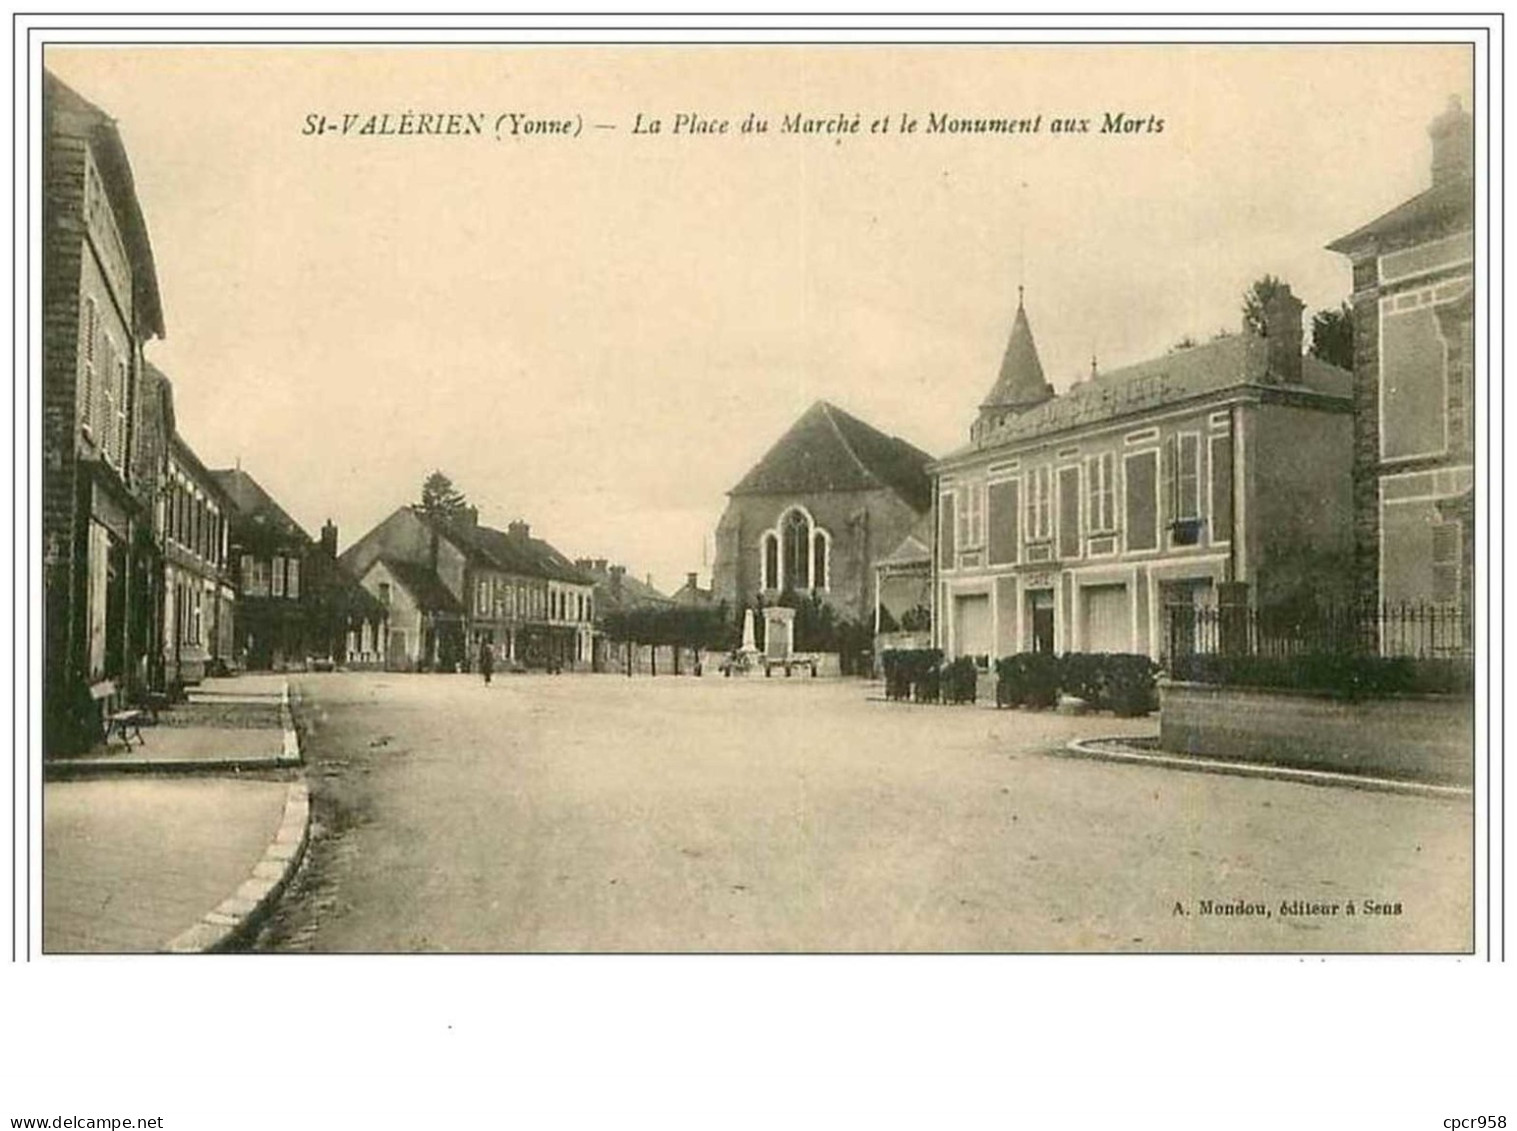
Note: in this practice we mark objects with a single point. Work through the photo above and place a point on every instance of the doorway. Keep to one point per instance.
(1040, 620)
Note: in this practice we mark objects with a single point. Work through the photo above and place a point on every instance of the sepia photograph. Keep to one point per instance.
(759, 498)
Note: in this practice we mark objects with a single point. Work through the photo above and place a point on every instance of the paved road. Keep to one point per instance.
(597, 813)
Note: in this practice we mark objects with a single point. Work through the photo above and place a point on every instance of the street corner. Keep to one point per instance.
(232, 920)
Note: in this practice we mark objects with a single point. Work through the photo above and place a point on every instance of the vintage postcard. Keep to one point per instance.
(759, 498)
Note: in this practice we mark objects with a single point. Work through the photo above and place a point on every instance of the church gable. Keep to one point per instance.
(828, 450)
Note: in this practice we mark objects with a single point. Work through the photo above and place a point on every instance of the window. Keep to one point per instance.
(1101, 493)
(1003, 500)
(277, 588)
(819, 548)
(795, 542)
(971, 517)
(384, 594)
(482, 597)
(255, 576)
(946, 547)
(1141, 518)
(1182, 476)
(292, 579)
(771, 562)
(1040, 505)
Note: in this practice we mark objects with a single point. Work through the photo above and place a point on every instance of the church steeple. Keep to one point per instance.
(1020, 384)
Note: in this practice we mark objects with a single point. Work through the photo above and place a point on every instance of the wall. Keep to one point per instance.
(1422, 738)
(404, 615)
(1302, 524)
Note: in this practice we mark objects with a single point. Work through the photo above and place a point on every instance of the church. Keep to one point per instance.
(812, 516)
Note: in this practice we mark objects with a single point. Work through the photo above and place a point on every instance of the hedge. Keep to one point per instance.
(1109, 681)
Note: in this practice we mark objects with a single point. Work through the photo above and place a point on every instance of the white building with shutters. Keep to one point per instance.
(1069, 522)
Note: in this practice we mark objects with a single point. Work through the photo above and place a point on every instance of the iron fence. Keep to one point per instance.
(1417, 631)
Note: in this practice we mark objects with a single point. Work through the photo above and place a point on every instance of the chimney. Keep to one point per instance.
(617, 573)
(1282, 331)
(690, 581)
(471, 516)
(583, 563)
(519, 529)
(1453, 144)
(600, 565)
(329, 539)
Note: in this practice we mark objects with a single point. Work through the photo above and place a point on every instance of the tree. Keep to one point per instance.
(1256, 299)
(1333, 336)
(1185, 343)
(440, 498)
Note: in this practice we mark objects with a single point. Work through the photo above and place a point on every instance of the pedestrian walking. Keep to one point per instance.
(486, 661)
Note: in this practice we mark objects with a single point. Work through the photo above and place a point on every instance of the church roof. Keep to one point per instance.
(1021, 383)
(829, 450)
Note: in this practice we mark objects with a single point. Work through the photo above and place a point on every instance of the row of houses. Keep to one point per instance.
(1238, 472)
(156, 569)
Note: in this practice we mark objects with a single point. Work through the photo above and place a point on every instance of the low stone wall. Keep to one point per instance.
(1421, 737)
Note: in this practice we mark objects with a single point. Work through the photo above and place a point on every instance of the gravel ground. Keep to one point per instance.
(598, 813)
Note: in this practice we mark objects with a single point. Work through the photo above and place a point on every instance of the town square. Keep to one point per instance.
(850, 531)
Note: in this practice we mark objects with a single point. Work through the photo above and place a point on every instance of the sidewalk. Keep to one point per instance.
(234, 724)
(162, 845)
(127, 864)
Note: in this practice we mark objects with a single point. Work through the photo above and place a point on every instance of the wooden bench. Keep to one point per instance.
(125, 722)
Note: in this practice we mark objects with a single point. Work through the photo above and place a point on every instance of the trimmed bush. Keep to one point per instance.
(1028, 679)
(960, 680)
(1083, 675)
(1129, 687)
(909, 671)
(927, 685)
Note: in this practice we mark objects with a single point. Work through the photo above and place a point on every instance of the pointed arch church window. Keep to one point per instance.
(795, 536)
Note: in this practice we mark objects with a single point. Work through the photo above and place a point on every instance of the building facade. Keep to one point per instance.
(295, 602)
(1069, 523)
(831, 496)
(100, 304)
(518, 595)
(196, 597)
(1414, 392)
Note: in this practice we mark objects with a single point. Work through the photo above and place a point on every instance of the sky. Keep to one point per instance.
(600, 331)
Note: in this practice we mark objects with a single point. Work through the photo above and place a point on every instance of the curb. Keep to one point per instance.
(234, 918)
(1115, 752)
